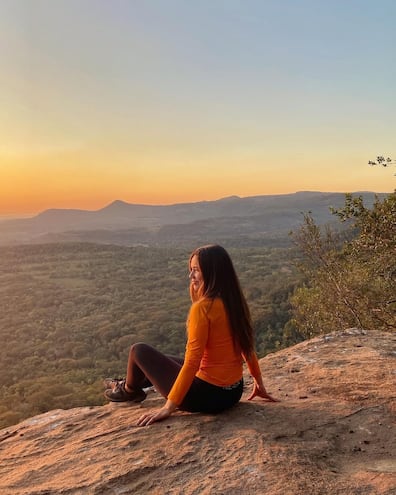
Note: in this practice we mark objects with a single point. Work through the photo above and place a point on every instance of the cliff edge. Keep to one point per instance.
(332, 433)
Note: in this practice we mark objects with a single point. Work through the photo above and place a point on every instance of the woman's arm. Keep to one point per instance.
(197, 336)
(258, 386)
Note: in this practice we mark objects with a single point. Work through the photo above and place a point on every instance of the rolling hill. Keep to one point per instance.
(250, 220)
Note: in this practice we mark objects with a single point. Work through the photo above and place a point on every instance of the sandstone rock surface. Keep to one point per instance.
(332, 433)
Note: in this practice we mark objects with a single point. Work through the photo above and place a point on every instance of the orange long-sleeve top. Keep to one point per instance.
(210, 354)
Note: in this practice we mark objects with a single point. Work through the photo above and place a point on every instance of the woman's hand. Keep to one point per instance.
(259, 391)
(159, 415)
(153, 416)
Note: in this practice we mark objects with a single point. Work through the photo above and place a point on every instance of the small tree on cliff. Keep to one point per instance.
(350, 274)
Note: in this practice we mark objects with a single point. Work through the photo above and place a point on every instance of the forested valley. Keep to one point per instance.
(70, 311)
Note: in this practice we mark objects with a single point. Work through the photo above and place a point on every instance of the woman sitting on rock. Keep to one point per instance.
(219, 338)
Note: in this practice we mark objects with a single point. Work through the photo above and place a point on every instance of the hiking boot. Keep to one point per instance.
(119, 394)
(112, 382)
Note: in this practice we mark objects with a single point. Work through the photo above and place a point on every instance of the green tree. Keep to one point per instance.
(350, 274)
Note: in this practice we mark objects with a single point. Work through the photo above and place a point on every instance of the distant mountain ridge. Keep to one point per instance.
(128, 223)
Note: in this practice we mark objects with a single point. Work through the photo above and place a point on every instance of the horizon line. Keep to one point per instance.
(26, 215)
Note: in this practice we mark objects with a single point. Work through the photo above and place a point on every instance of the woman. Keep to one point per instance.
(219, 338)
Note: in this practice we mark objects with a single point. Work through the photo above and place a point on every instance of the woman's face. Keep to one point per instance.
(195, 273)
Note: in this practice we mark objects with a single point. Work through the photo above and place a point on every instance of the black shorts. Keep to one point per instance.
(207, 398)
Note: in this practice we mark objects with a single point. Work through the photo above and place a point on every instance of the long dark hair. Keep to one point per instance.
(220, 280)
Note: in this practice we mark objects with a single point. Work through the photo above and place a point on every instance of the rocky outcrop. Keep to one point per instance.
(332, 433)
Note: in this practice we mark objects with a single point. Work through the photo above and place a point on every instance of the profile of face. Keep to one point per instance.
(196, 277)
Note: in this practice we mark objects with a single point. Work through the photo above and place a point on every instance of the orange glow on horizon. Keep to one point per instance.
(29, 185)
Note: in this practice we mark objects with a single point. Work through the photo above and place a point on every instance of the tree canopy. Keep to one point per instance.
(350, 274)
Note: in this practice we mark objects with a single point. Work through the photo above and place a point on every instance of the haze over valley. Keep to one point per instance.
(241, 221)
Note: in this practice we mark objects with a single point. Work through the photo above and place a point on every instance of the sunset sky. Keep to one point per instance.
(168, 101)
